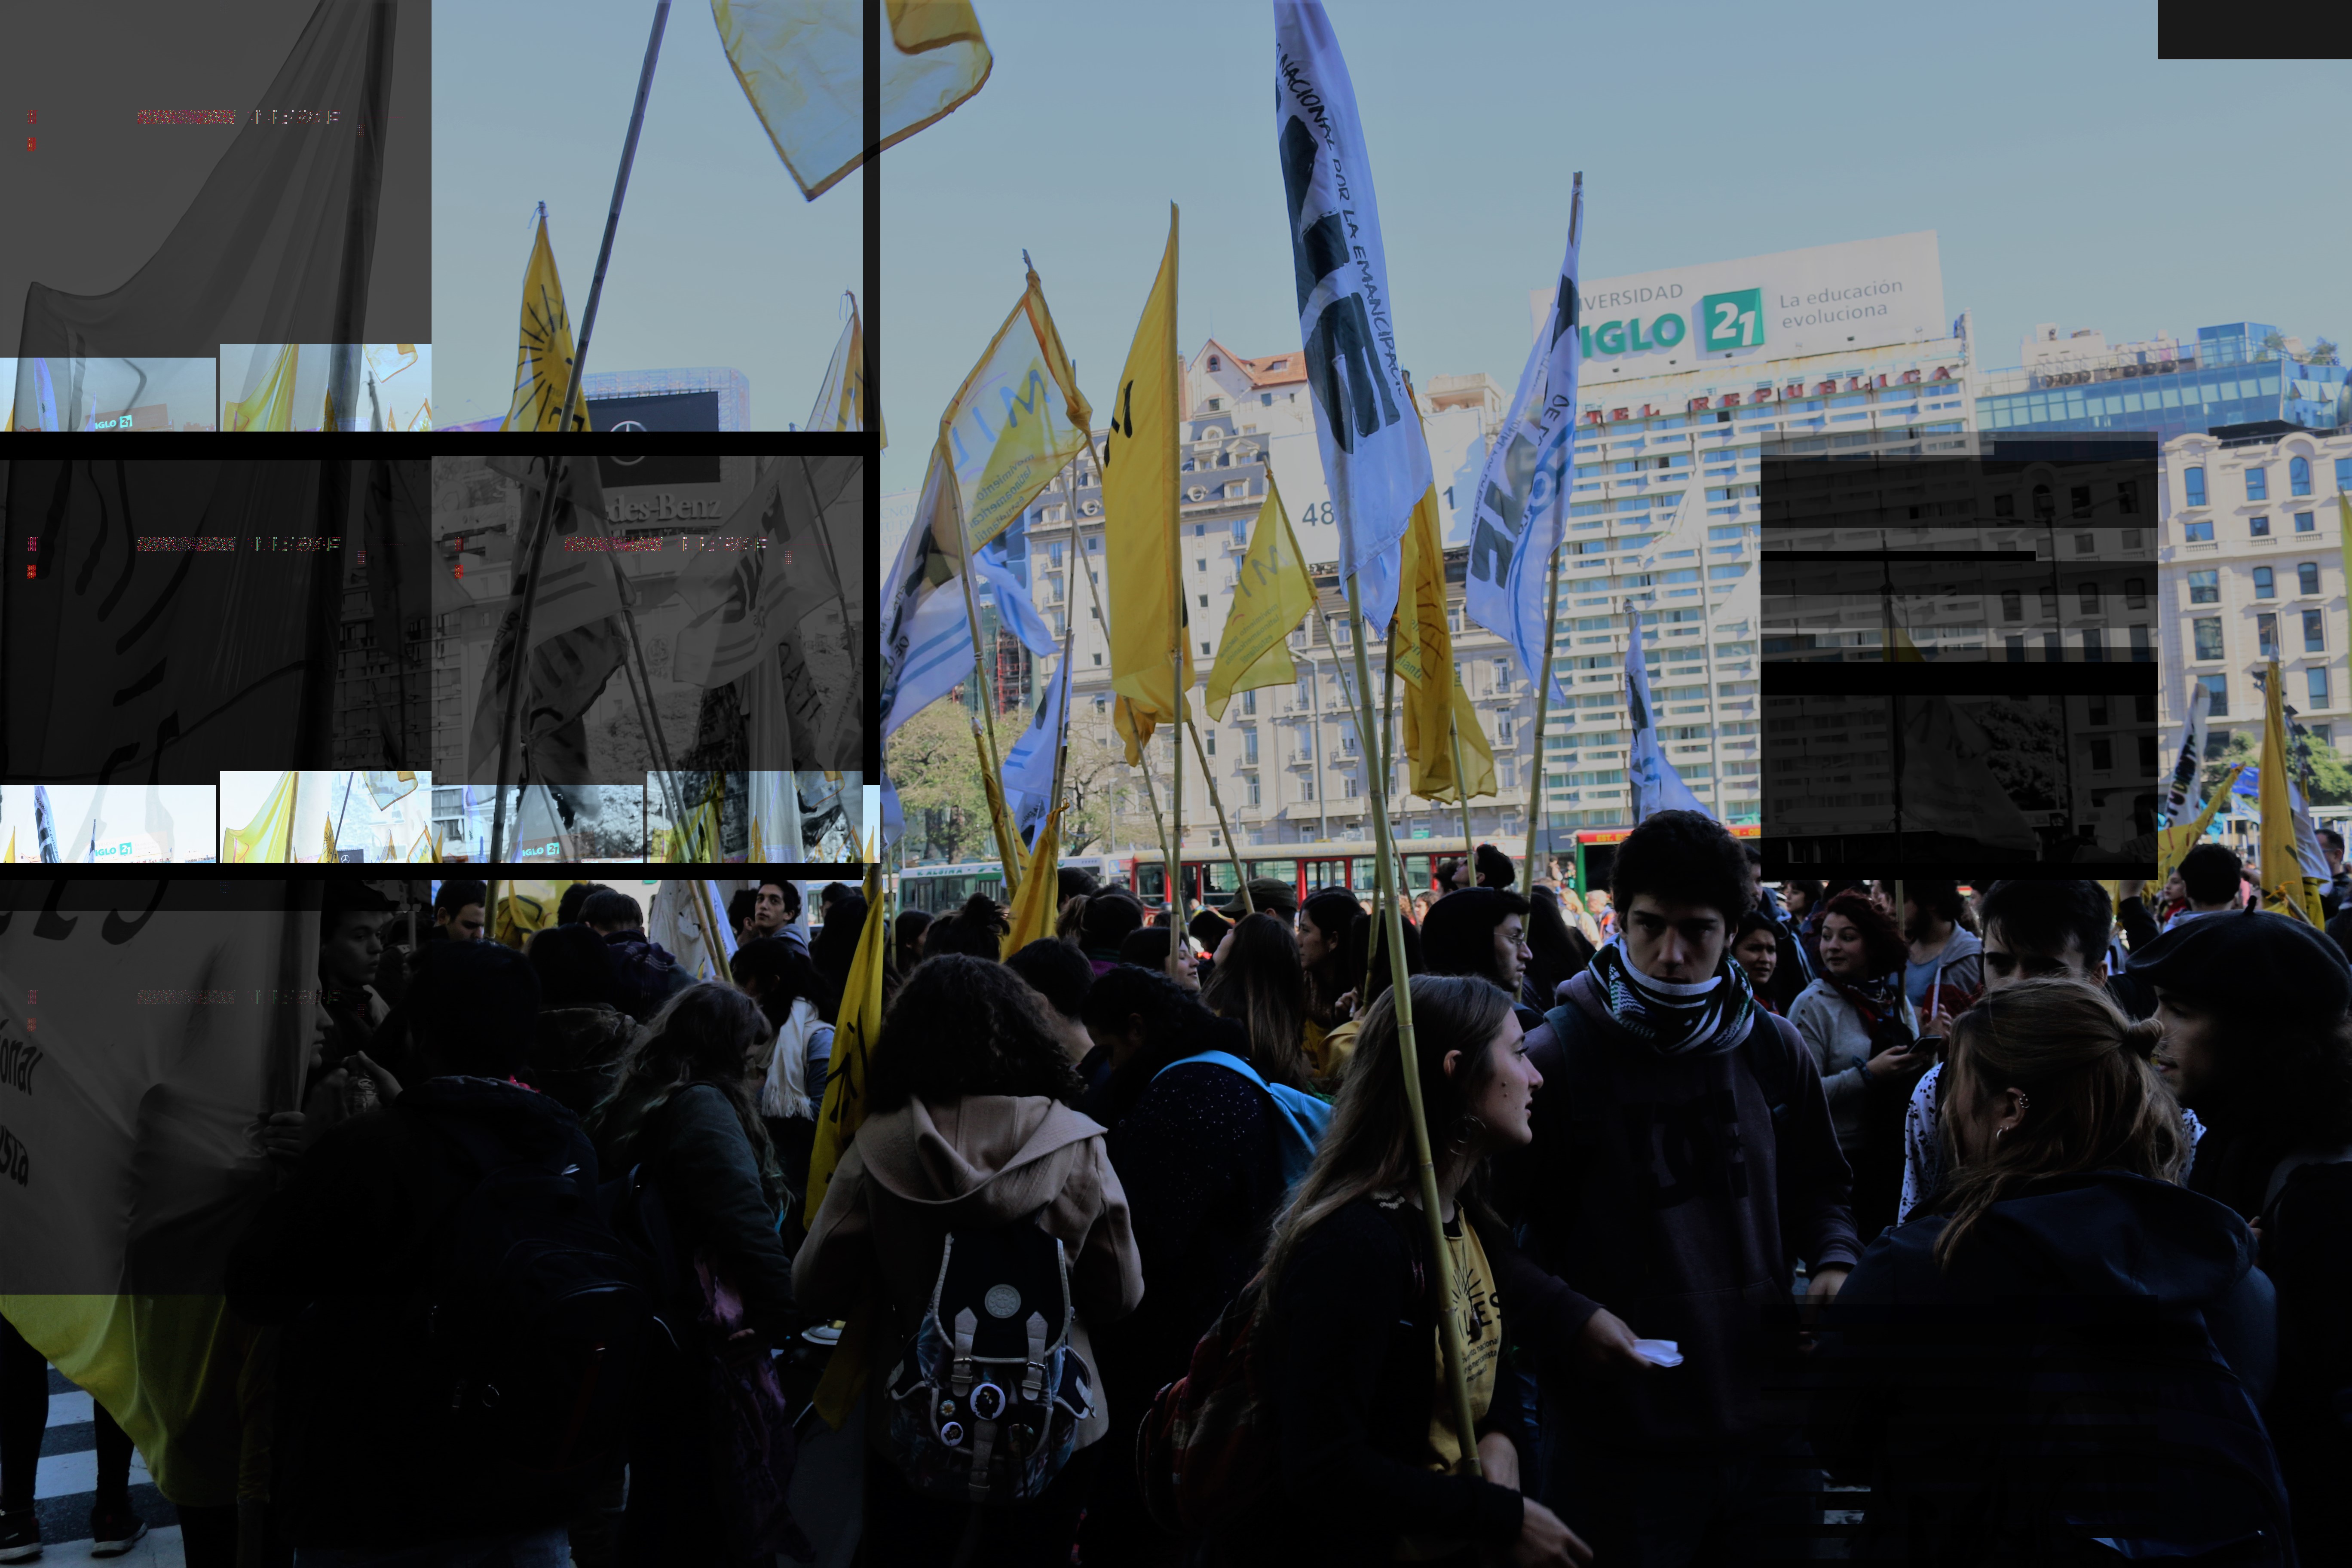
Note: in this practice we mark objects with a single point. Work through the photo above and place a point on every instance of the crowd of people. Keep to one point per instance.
(1901, 1222)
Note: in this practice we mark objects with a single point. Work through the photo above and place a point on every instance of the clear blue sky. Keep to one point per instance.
(719, 260)
(2071, 175)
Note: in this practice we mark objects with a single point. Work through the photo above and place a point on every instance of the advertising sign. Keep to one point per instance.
(1866, 293)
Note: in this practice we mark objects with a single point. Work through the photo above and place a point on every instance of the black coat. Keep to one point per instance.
(2098, 1302)
(335, 1258)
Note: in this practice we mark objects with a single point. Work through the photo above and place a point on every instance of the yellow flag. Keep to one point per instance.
(803, 65)
(543, 351)
(1900, 648)
(271, 407)
(2284, 883)
(841, 397)
(12, 847)
(1272, 597)
(1147, 634)
(1005, 434)
(1036, 906)
(329, 858)
(1422, 649)
(2176, 841)
(327, 414)
(859, 1024)
(525, 908)
(1430, 780)
(269, 837)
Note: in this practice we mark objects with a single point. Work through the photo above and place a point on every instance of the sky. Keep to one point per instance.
(2071, 175)
(718, 261)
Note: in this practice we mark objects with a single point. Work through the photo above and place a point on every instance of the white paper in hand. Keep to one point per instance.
(1659, 1353)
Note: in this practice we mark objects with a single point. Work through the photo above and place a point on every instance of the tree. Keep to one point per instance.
(936, 772)
(2322, 353)
(2273, 345)
(2024, 753)
(2331, 781)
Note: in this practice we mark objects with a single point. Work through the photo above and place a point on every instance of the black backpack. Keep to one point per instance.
(986, 1398)
(537, 1321)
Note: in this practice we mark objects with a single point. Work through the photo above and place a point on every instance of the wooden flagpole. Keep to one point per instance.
(1241, 877)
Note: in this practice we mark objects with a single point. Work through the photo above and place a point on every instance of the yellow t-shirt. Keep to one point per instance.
(1476, 1309)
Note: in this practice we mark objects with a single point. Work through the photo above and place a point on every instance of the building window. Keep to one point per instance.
(1307, 789)
(2305, 523)
(2016, 649)
(2306, 577)
(2265, 587)
(2207, 630)
(2343, 473)
(1252, 789)
(1265, 399)
(1249, 747)
(1249, 704)
(1352, 786)
(2298, 476)
(2135, 592)
(2198, 531)
(2143, 652)
(2095, 648)
(2315, 631)
(2258, 527)
(2087, 595)
(2102, 755)
(2217, 694)
(2258, 484)
(2204, 587)
(2196, 477)
(2080, 495)
(2012, 606)
(2315, 680)
(1215, 404)
(1503, 673)
(2265, 637)
(2128, 498)
(2085, 544)
(1215, 364)
(2148, 753)
(1209, 740)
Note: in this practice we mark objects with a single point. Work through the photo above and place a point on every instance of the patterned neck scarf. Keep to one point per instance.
(1878, 1003)
(1674, 1020)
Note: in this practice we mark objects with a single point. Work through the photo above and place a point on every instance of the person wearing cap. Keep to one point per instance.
(2256, 1042)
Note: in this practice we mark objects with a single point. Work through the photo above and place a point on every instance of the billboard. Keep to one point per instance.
(1865, 293)
(668, 411)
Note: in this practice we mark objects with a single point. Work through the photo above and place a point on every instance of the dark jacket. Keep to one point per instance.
(649, 976)
(2097, 1291)
(578, 1053)
(695, 1151)
(1350, 1353)
(335, 1258)
(1670, 1190)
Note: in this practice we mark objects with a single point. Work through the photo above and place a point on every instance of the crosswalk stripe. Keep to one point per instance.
(69, 1475)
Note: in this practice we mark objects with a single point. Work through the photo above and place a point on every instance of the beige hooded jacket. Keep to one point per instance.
(911, 1175)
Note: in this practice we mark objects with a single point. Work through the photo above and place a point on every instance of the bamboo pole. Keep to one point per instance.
(1449, 1339)
(1461, 784)
(1543, 704)
(1241, 879)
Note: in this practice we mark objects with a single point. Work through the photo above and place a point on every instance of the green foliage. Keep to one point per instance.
(2322, 353)
(936, 772)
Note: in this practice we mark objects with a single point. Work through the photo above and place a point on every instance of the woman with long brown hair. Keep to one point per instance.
(1257, 981)
(2063, 1346)
(1362, 1416)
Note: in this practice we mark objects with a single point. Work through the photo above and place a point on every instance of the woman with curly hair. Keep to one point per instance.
(1861, 1029)
(969, 1125)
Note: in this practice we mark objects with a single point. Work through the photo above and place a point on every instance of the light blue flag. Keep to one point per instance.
(1029, 765)
(1520, 510)
(1655, 785)
(996, 573)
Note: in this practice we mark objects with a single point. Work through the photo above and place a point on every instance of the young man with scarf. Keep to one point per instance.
(1682, 1156)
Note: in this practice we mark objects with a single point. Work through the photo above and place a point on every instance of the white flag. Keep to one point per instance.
(2188, 757)
(750, 584)
(1520, 510)
(576, 582)
(1655, 785)
(1029, 765)
(1375, 460)
(925, 642)
(1947, 786)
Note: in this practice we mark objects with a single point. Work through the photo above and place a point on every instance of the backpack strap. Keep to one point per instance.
(1769, 1066)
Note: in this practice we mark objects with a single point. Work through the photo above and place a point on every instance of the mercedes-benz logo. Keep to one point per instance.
(626, 462)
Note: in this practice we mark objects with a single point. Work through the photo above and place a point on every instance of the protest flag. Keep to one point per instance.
(841, 397)
(270, 406)
(1034, 908)
(2285, 881)
(1518, 512)
(1149, 658)
(1271, 598)
(1375, 461)
(802, 64)
(1438, 718)
(2188, 756)
(543, 347)
(839, 1116)
(1652, 783)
